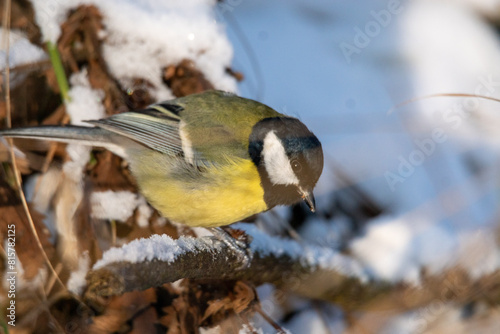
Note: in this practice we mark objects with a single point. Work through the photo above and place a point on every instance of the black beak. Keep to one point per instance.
(308, 198)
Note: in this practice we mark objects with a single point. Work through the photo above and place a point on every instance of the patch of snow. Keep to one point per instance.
(40, 189)
(160, 247)
(85, 103)
(394, 250)
(142, 37)
(160, 221)
(201, 232)
(144, 212)
(270, 305)
(76, 282)
(21, 51)
(245, 329)
(311, 321)
(386, 250)
(327, 233)
(113, 205)
(79, 156)
(486, 7)
(313, 256)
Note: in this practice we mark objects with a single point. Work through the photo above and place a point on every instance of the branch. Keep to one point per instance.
(309, 270)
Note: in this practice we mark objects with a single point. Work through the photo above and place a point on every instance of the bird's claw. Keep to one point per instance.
(238, 247)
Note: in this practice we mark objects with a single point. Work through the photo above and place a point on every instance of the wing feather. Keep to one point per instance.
(149, 127)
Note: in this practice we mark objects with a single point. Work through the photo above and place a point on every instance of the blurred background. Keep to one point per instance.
(417, 185)
(344, 68)
(410, 188)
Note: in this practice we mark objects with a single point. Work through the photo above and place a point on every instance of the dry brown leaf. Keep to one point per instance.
(170, 320)
(145, 322)
(114, 320)
(235, 74)
(22, 163)
(244, 296)
(180, 317)
(133, 302)
(80, 46)
(27, 251)
(238, 301)
(215, 306)
(184, 79)
(22, 18)
(120, 310)
(110, 173)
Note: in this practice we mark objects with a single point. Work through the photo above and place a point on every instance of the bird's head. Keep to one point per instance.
(289, 159)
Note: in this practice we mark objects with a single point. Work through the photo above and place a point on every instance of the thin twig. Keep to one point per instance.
(6, 47)
(269, 319)
(17, 177)
(31, 67)
(415, 99)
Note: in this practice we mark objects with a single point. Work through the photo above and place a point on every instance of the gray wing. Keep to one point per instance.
(150, 127)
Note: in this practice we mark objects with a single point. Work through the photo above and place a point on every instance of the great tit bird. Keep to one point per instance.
(208, 159)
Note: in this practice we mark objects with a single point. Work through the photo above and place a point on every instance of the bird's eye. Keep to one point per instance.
(296, 166)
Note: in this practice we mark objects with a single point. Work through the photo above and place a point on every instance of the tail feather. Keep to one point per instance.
(90, 136)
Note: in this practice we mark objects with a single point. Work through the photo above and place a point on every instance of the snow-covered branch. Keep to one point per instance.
(306, 269)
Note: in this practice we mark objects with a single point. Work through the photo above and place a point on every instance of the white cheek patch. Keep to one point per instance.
(276, 161)
(186, 144)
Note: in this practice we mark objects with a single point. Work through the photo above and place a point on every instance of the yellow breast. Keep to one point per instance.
(223, 195)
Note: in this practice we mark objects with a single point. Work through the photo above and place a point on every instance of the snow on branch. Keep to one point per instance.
(306, 269)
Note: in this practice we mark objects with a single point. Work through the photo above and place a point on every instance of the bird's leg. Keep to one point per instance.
(240, 248)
